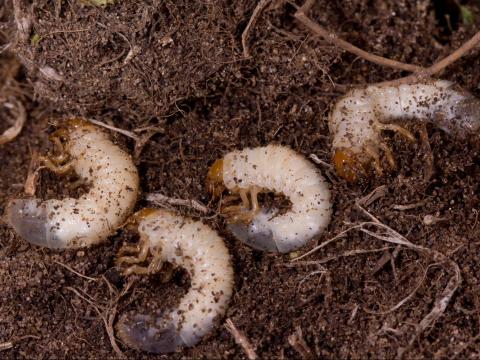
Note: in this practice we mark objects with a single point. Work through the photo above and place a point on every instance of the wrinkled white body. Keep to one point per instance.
(280, 169)
(199, 250)
(113, 181)
(354, 117)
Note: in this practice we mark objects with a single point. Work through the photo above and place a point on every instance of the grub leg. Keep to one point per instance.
(57, 169)
(155, 265)
(76, 184)
(60, 150)
(237, 213)
(136, 269)
(229, 198)
(388, 155)
(373, 153)
(244, 197)
(128, 249)
(398, 129)
(140, 257)
(254, 196)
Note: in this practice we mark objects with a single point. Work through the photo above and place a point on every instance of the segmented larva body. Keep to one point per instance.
(70, 223)
(276, 169)
(358, 118)
(199, 250)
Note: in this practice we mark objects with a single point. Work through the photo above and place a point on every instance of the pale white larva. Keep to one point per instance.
(70, 223)
(276, 169)
(198, 249)
(358, 119)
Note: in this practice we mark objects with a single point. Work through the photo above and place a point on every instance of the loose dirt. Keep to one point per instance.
(179, 67)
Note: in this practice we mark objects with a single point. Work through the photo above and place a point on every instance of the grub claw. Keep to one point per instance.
(238, 214)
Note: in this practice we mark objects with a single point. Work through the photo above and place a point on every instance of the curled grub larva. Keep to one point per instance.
(272, 169)
(358, 118)
(113, 189)
(199, 250)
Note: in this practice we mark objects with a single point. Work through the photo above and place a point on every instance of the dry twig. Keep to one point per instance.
(161, 200)
(332, 38)
(241, 340)
(387, 257)
(438, 66)
(143, 140)
(30, 186)
(140, 140)
(420, 73)
(113, 128)
(319, 161)
(373, 196)
(6, 345)
(23, 22)
(253, 19)
(408, 206)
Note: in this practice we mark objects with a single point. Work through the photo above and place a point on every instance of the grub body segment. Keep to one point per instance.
(113, 183)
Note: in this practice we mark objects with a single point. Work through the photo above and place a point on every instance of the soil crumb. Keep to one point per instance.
(178, 66)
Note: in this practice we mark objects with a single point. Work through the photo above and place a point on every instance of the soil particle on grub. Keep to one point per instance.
(180, 65)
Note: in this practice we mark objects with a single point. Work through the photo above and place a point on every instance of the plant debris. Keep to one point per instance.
(173, 74)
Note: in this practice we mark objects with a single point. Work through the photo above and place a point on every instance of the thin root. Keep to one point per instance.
(389, 235)
(241, 340)
(332, 38)
(75, 272)
(253, 19)
(429, 166)
(30, 186)
(298, 343)
(22, 21)
(377, 164)
(406, 299)
(106, 312)
(113, 128)
(419, 73)
(21, 116)
(438, 66)
(319, 161)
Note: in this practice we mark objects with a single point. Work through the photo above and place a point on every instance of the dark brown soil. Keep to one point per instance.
(187, 76)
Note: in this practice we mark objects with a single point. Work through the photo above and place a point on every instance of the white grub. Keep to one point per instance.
(199, 250)
(358, 118)
(72, 223)
(276, 169)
